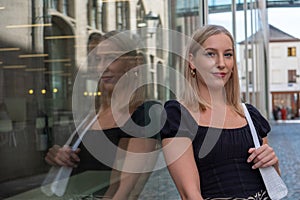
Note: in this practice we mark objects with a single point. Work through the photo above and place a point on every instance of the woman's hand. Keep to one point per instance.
(62, 156)
(264, 156)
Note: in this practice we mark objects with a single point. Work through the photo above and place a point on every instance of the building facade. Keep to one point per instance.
(282, 72)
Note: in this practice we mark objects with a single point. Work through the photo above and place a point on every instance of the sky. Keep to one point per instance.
(285, 19)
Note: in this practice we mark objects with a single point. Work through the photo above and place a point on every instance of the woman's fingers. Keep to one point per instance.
(264, 156)
(62, 156)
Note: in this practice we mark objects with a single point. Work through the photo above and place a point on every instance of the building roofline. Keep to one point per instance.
(285, 37)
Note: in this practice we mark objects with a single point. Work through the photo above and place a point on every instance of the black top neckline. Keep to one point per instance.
(204, 126)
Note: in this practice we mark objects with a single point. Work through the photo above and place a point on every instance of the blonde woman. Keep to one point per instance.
(207, 142)
(118, 142)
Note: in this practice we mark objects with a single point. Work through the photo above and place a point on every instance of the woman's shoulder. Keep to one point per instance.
(254, 112)
(146, 106)
(174, 104)
(175, 108)
(143, 112)
(176, 120)
(260, 122)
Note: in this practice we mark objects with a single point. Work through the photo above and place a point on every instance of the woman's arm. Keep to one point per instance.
(264, 156)
(182, 167)
(136, 163)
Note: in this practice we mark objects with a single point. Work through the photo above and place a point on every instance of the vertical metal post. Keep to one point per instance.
(172, 60)
(203, 12)
(33, 16)
(246, 51)
(253, 99)
(233, 10)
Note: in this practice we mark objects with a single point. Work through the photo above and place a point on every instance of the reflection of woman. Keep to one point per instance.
(115, 59)
(207, 143)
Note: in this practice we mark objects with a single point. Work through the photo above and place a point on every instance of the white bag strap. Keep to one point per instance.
(275, 186)
(252, 128)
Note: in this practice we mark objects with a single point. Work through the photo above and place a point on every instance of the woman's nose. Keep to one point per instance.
(221, 61)
(103, 64)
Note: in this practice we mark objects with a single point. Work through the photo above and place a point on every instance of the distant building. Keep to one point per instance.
(283, 70)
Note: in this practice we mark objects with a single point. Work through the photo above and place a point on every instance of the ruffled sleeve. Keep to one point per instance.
(145, 120)
(261, 124)
(177, 122)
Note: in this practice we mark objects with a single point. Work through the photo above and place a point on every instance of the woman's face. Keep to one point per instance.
(214, 61)
(111, 63)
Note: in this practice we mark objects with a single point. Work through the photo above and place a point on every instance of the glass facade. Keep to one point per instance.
(48, 83)
(247, 25)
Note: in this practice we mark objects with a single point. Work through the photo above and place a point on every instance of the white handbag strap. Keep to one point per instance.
(274, 184)
(251, 125)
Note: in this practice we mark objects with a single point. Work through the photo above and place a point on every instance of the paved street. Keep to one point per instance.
(284, 138)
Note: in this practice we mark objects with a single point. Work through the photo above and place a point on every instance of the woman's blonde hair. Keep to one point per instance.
(191, 95)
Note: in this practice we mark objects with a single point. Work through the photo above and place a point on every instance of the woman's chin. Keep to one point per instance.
(107, 87)
(216, 86)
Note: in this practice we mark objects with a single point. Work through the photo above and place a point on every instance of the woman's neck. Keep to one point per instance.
(214, 97)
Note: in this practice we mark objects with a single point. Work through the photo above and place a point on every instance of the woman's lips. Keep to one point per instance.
(220, 74)
(106, 78)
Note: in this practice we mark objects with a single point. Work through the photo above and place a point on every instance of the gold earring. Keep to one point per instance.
(193, 73)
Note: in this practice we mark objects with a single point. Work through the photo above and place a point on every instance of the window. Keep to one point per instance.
(122, 15)
(103, 16)
(54, 4)
(140, 21)
(292, 76)
(250, 53)
(159, 40)
(250, 77)
(98, 14)
(89, 12)
(161, 90)
(140, 13)
(66, 7)
(291, 51)
(94, 13)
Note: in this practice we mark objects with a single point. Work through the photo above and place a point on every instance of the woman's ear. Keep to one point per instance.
(191, 61)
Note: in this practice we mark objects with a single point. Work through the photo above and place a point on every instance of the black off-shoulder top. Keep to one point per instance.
(137, 127)
(222, 159)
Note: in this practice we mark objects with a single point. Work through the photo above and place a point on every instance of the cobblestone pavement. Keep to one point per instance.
(284, 138)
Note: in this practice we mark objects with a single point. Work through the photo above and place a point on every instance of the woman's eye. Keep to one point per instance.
(228, 55)
(106, 58)
(210, 54)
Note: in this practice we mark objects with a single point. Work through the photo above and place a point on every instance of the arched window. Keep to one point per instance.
(60, 62)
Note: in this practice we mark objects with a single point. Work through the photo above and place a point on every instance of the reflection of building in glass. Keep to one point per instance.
(42, 45)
